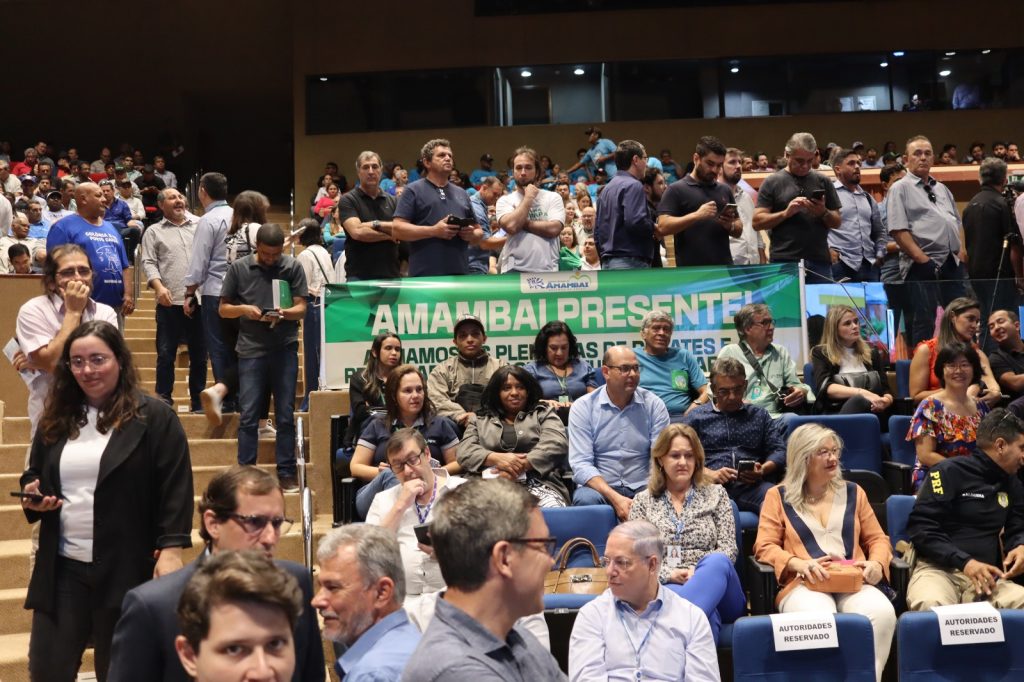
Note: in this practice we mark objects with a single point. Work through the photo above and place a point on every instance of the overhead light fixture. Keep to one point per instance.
(323, 79)
(945, 72)
(898, 53)
(884, 64)
(734, 69)
(579, 71)
(985, 51)
(950, 54)
(525, 73)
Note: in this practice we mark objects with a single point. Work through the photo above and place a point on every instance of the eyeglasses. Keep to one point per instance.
(412, 463)
(931, 194)
(765, 323)
(549, 544)
(78, 363)
(625, 369)
(255, 523)
(825, 452)
(620, 562)
(81, 271)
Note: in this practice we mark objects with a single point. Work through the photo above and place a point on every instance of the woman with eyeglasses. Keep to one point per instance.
(960, 324)
(814, 520)
(45, 322)
(945, 424)
(697, 526)
(517, 436)
(110, 480)
(850, 375)
(407, 405)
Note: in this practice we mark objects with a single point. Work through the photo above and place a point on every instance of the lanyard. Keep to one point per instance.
(638, 652)
(680, 521)
(422, 516)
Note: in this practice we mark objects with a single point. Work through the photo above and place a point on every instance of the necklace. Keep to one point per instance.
(816, 499)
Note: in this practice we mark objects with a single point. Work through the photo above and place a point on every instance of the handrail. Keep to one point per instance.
(137, 275)
(306, 496)
(291, 218)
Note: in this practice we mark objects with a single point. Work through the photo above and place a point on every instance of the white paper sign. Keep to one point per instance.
(972, 623)
(804, 630)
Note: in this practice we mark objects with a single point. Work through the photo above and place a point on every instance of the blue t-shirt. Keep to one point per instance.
(602, 147)
(478, 175)
(576, 384)
(105, 249)
(671, 376)
(440, 435)
(424, 203)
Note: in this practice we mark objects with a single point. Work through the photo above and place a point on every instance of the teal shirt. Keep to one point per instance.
(671, 377)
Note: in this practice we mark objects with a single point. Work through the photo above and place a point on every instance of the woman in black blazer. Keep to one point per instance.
(849, 374)
(110, 479)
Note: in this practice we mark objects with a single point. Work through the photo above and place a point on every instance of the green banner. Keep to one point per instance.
(603, 309)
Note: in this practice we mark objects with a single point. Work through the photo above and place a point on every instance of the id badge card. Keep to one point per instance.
(563, 399)
(674, 555)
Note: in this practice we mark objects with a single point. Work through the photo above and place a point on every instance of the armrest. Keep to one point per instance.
(899, 579)
(347, 510)
(763, 588)
(903, 406)
(898, 476)
(569, 482)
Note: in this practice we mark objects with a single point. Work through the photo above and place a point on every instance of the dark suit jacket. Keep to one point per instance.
(143, 646)
(143, 502)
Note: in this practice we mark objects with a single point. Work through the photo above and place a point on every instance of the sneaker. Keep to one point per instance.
(267, 430)
(290, 484)
(211, 402)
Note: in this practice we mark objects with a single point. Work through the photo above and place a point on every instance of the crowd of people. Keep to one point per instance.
(647, 431)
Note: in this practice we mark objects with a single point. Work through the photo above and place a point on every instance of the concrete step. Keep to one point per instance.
(14, 563)
(16, 618)
(211, 452)
(14, 658)
(16, 429)
(202, 475)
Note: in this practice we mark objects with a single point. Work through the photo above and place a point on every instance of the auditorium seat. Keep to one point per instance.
(923, 658)
(755, 658)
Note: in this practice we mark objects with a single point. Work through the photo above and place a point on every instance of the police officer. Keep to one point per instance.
(963, 506)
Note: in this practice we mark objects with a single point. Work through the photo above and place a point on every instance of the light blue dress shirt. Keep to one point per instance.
(381, 653)
(861, 235)
(209, 261)
(612, 443)
(608, 634)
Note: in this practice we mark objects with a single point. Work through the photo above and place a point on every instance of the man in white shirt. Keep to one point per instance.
(637, 627)
(748, 248)
(532, 217)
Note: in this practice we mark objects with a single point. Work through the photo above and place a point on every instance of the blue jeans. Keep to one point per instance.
(277, 371)
(624, 263)
(364, 496)
(866, 273)
(715, 589)
(220, 356)
(584, 496)
(749, 496)
(311, 348)
(171, 325)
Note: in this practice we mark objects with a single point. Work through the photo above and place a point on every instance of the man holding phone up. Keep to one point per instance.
(268, 343)
(799, 206)
(700, 211)
(436, 217)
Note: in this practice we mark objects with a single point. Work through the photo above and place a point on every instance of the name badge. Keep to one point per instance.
(804, 630)
(971, 623)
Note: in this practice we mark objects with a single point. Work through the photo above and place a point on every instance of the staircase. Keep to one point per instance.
(212, 449)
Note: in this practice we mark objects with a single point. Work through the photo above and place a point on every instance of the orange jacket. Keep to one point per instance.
(779, 539)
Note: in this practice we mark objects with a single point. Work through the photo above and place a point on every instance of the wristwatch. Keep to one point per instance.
(375, 225)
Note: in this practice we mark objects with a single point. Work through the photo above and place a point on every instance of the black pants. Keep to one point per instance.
(171, 326)
(58, 639)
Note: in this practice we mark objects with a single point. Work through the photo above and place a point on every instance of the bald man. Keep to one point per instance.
(102, 243)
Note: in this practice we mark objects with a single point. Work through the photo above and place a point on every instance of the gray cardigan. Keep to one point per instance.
(541, 436)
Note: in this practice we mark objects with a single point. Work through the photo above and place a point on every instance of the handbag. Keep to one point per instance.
(870, 381)
(582, 580)
(842, 579)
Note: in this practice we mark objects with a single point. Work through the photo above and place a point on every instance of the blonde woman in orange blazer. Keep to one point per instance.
(814, 517)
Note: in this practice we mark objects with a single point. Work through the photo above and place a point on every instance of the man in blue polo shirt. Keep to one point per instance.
(102, 243)
(437, 247)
